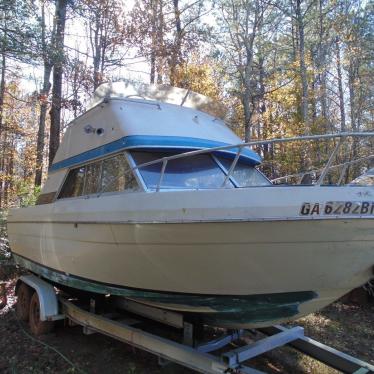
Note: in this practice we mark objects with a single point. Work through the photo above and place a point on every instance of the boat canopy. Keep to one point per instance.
(158, 92)
(125, 115)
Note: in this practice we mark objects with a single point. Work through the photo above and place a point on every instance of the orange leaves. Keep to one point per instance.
(17, 140)
(43, 99)
(198, 77)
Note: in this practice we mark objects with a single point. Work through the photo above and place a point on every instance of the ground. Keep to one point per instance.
(346, 326)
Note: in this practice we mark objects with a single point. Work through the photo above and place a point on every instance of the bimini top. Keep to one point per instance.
(124, 115)
(158, 92)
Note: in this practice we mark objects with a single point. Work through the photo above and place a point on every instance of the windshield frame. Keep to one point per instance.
(164, 171)
(232, 176)
(136, 169)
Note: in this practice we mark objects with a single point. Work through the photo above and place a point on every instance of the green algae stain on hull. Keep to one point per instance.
(223, 309)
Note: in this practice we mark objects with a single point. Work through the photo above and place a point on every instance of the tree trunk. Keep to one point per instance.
(340, 87)
(154, 41)
(323, 99)
(352, 95)
(9, 172)
(43, 99)
(42, 118)
(2, 90)
(3, 169)
(295, 46)
(175, 58)
(247, 115)
(313, 87)
(97, 51)
(261, 106)
(352, 100)
(153, 67)
(55, 112)
(322, 67)
(2, 142)
(302, 66)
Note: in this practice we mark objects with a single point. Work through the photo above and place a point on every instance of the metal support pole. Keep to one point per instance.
(188, 334)
(165, 348)
(235, 357)
(164, 162)
(323, 353)
(220, 342)
(232, 166)
(329, 162)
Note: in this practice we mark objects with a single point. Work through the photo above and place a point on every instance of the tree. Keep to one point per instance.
(16, 33)
(58, 67)
(201, 76)
(167, 31)
(106, 32)
(18, 142)
(240, 24)
(299, 16)
(47, 55)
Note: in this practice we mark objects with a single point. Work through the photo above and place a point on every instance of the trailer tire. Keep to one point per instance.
(24, 293)
(37, 326)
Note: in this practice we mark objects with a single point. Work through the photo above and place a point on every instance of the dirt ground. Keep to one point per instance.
(347, 327)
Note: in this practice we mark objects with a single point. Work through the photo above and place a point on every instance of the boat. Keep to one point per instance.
(151, 197)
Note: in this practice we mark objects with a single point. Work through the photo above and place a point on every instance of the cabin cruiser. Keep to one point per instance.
(153, 198)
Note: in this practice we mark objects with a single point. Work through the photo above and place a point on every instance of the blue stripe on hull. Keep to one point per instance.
(147, 141)
(226, 309)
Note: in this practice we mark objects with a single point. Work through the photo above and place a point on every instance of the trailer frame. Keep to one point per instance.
(189, 353)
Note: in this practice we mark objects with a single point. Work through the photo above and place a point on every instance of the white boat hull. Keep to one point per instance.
(107, 241)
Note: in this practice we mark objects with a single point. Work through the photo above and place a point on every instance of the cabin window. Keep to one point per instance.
(117, 176)
(109, 175)
(74, 182)
(92, 182)
(195, 172)
(244, 175)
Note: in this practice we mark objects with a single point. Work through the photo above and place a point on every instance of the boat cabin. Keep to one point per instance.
(122, 142)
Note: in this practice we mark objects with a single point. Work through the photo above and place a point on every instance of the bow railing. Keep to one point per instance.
(342, 137)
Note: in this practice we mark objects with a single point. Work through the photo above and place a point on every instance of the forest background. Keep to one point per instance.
(281, 67)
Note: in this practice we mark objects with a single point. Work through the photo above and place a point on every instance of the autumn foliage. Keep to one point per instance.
(282, 68)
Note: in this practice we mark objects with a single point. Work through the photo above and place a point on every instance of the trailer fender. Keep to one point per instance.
(47, 297)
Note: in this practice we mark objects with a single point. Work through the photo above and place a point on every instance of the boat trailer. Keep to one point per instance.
(136, 324)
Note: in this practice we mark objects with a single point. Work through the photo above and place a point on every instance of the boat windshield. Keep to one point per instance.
(201, 171)
(195, 172)
(244, 175)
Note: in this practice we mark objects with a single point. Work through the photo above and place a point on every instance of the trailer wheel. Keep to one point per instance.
(37, 326)
(24, 293)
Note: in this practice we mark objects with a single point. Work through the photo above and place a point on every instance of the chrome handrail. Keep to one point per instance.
(342, 165)
(341, 136)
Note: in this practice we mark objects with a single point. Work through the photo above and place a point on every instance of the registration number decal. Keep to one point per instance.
(338, 208)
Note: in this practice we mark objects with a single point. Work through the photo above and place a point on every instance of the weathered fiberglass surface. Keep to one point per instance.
(224, 309)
